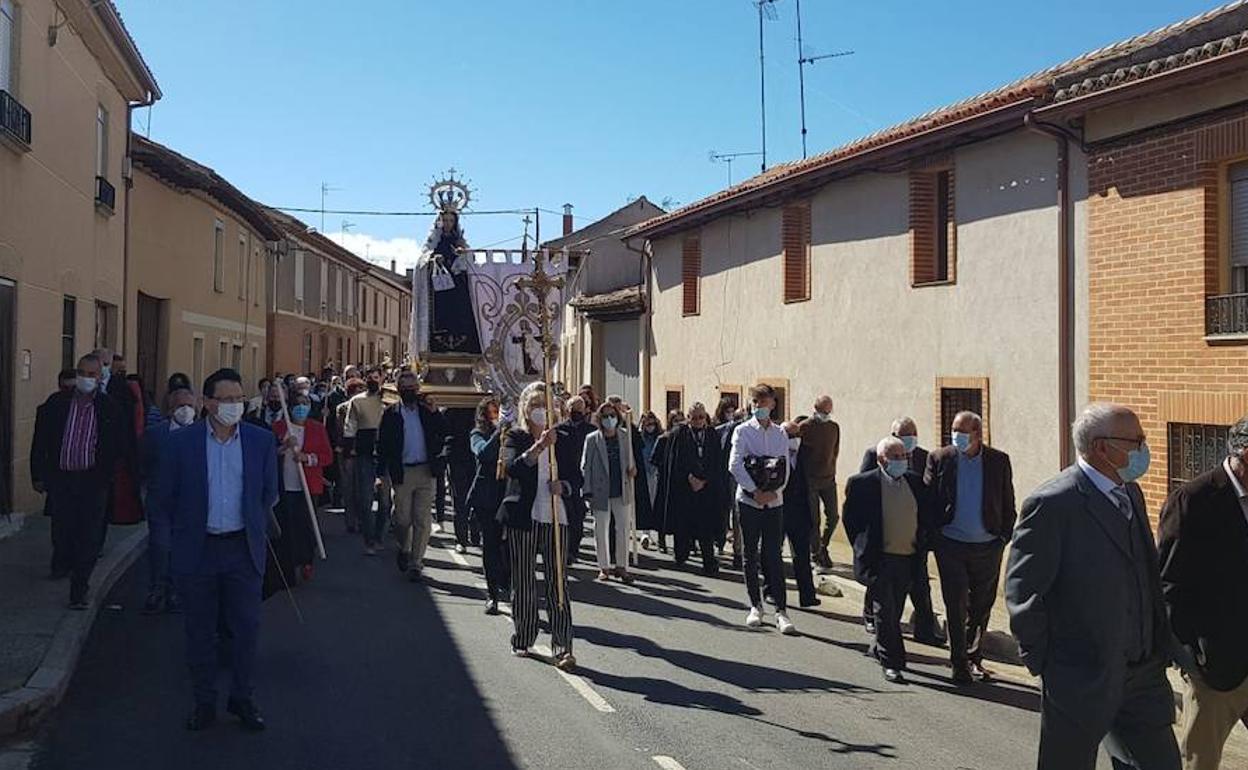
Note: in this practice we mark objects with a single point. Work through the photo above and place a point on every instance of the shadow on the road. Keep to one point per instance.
(1014, 695)
(672, 694)
(347, 689)
(747, 676)
(608, 595)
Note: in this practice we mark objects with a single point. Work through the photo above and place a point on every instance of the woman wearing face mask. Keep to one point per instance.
(696, 486)
(659, 460)
(650, 433)
(161, 596)
(606, 465)
(302, 443)
(529, 515)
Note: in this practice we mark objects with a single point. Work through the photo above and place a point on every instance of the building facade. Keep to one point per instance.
(385, 306)
(69, 75)
(602, 340)
(1166, 131)
(200, 255)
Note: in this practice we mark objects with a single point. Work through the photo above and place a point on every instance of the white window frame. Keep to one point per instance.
(101, 141)
(218, 256)
(10, 46)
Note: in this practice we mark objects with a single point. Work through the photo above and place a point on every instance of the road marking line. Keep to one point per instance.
(579, 684)
(667, 763)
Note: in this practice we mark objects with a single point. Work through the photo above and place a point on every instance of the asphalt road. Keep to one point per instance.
(387, 674)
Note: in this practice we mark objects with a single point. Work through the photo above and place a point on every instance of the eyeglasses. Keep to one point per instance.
(1137, 440)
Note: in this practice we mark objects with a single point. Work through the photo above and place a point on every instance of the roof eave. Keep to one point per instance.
(817, 176)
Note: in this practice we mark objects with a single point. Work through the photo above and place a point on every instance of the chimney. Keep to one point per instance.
(393, 266)
(567, 219)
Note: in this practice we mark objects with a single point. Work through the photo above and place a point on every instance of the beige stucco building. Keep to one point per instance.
(69, 75)
(199, 256)
(385, 302)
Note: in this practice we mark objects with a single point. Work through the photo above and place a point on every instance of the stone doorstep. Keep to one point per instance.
(23, 708)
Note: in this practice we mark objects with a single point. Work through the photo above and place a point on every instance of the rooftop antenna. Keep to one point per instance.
(728, 157)
(344, 227)
(802, 61)
(325, 190)
(766, 9)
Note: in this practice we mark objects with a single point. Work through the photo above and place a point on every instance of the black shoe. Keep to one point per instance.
(491, 607)
(868, 626)
(155, 603)
(401, 559)
(894, 675)
(979, 673)
(810, 601)
(247, 713)
(202, 717)
(736, 564)
(962, 675)
(769, 599)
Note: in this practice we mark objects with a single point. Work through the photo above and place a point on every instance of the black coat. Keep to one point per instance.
(45, 445)
(864, 519)
(390, 441)
(517, 509)
(1204, 576)
(678, 507)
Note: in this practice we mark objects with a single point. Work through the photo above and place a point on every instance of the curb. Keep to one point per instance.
(23, 708)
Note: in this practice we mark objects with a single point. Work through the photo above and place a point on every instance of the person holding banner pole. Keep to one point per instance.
(536, 524)
(305, 451)
(303, 482)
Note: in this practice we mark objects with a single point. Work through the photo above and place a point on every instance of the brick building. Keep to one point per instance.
(1166, 135)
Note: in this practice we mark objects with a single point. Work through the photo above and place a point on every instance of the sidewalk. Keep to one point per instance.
(40, 639)
(999, 645)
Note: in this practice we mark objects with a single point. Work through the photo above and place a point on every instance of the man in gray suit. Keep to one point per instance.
(1084, 595)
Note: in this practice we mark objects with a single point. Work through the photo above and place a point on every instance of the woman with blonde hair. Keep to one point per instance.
(532, 509)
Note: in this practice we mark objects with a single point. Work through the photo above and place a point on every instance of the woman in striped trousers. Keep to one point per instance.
(530, 507)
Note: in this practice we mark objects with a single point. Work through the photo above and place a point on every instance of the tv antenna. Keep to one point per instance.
(325, 190)
(802, 61)
(728, 157)
(766, 10)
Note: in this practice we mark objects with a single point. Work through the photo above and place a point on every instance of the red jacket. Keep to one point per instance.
(315, 442)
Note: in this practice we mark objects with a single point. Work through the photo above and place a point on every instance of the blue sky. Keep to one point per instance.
(548, 102)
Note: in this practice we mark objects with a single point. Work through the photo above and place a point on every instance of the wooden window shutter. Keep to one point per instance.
(933, 226)
(795, 239)
(691, 273)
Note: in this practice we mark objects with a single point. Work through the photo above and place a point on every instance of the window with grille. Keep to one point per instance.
(933, 227)
(954, 400)
(105, 325)
(1193, 449)
(795, 238)
(101, 142)
(691, 274)
(1238, 227)
(674, 401)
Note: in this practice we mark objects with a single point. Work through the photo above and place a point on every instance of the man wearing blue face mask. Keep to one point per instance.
(925, 628)
(974, 487)
(1084, 593)
(888, 512)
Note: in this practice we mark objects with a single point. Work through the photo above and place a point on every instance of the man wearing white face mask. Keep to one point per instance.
(1084, 592)
(77, 442)
(161, 596)
(887, 512)
(974, 487)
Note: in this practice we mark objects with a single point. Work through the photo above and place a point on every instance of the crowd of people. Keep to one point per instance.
(232, 485)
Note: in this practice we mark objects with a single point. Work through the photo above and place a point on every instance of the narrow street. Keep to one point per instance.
(386, 674)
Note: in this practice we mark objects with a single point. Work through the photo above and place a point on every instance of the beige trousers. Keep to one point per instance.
(1207, 720)
(413, 512)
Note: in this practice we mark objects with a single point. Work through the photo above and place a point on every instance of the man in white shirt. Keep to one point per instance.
(759, 464)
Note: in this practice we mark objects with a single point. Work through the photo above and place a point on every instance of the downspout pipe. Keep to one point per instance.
(1065, 285)
(646, 254)
(128, 182)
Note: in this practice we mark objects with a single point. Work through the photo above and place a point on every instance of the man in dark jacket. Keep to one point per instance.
(974, 488)
(410, 449)
(696, 487)
(887, 512)
(568, 448)
(78, 441)
(1204, 580)
(923, 624)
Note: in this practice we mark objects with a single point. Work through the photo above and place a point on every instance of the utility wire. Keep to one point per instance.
(353, 212)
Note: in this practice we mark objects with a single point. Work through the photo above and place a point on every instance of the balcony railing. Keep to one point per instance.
(105, 193)
(1226, 314)
(14, 119)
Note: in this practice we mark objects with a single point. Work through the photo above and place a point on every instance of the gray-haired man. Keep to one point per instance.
(1085, 604)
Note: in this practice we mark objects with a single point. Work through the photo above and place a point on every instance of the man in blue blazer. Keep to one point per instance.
(218, 485)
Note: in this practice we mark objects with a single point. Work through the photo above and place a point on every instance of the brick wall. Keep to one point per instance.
(1153, 257)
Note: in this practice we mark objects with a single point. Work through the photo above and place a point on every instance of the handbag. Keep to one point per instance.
(767, 473)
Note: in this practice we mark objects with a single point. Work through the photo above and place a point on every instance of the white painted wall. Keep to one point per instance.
(866, 336)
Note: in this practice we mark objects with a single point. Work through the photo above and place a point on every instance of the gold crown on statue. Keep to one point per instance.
(449, 194)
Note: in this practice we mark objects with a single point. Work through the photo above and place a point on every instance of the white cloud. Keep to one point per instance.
(380, 251)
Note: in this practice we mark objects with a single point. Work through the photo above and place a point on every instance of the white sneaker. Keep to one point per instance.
(785, 625)
(755, 618)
